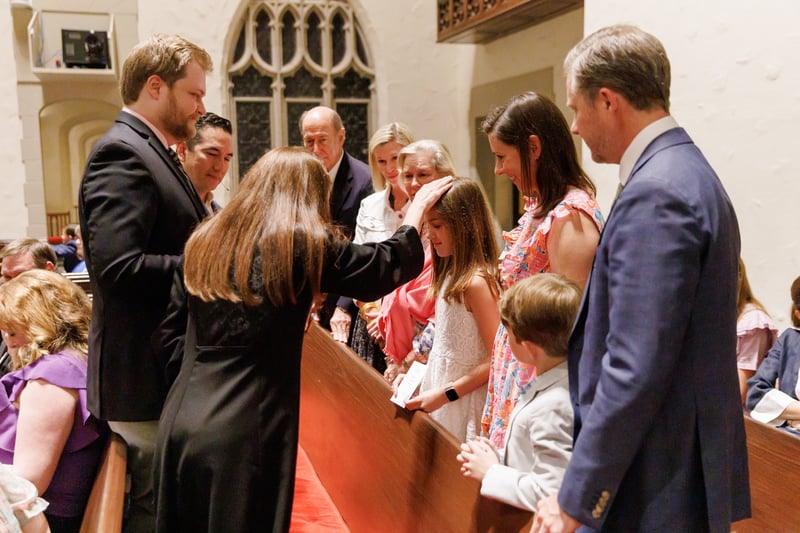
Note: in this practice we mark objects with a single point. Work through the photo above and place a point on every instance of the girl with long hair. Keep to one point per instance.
(465, 287)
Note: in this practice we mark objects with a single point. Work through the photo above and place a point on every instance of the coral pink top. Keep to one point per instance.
(755, 335)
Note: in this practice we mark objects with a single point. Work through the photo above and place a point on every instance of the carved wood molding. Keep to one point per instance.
(481, 21)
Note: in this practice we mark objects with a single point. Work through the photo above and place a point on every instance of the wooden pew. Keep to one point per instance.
(385, 469)
(81, 279)
(774, 457)
(390, 470)
(105, 507)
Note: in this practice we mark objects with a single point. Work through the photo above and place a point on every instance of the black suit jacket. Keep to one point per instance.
(137, 209)
(352, 184)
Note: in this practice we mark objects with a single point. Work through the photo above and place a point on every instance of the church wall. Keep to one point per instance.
(13, 212)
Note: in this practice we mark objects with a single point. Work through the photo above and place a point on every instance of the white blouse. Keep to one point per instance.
(376, 220)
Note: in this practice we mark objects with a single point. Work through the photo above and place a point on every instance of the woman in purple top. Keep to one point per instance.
(46, 431)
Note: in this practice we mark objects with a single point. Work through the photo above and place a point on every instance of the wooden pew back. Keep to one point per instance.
(774, 457)
(386, 469)
(105, 507)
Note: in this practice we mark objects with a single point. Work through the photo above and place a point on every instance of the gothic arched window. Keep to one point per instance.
(290, 56)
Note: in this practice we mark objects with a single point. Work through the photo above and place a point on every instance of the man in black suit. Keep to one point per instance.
(137, 208)
(323, 135)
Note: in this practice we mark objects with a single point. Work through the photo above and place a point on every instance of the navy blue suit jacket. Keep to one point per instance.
(137, 209)
(352, 184)
(659, 433)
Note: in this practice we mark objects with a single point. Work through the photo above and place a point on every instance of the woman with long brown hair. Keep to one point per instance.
(227, 440)
(558, 232)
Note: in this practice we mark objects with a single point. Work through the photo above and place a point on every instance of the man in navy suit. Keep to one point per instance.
(323, 135)
(137, 208)
(659, 435)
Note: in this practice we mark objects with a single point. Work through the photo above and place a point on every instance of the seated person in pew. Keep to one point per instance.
(17, 257)
(46, 431)
(66, 250)
(80, 266)
(779, 406)
(538, 313)
(755, 332)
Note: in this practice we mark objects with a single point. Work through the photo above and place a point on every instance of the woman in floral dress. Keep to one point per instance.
(559, 231)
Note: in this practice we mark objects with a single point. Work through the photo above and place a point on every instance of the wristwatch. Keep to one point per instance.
(450, 393)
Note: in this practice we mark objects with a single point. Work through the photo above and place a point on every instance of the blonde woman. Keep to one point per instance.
(380, 214)
(46, 431)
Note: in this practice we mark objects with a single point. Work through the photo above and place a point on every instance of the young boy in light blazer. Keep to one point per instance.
(538, 312)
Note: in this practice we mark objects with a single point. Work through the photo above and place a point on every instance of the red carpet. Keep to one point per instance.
(313, 509)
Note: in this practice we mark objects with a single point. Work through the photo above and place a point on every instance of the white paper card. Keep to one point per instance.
(410, 383)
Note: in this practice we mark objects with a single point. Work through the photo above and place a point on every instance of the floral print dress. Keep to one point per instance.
(524, 254)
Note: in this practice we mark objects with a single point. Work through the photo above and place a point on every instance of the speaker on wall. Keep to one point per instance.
(85, 49)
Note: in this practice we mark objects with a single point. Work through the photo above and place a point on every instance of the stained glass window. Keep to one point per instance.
(290, 56)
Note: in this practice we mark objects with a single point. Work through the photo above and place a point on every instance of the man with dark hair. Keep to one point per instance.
(659, 442)
(206, 156)
(323, 135)
(17, 257)
(67, 249)
(137, 209)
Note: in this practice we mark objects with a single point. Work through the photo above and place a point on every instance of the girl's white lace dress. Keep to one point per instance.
(457, 349)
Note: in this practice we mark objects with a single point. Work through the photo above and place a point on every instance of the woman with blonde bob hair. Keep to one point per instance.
(379, 215)
(227, 439)
(46, 431)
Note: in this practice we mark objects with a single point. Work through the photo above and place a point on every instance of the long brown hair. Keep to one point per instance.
(466, 214)
(745, 292)
(281, 214)
(558, 168)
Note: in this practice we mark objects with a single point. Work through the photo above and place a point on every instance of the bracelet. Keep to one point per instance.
(366, 308)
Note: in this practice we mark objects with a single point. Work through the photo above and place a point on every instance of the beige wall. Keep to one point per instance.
(735, 81)
(13, 212)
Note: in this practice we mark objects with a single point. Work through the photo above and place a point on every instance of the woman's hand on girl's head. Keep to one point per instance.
(426, 196)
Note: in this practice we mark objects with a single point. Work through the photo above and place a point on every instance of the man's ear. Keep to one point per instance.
(341, 136)
(153, 86)
(607, 99)
(181, 148)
